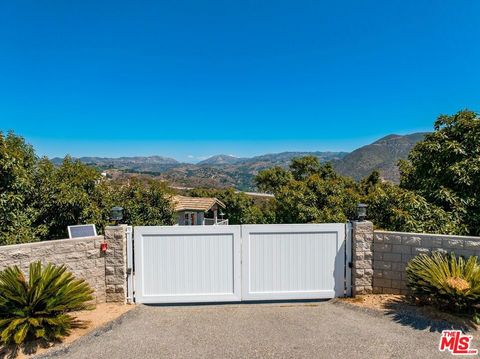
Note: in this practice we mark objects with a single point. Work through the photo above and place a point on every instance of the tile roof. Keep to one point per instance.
(183, 203)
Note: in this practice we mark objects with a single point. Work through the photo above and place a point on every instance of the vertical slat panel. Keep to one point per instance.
(203, 263)
(293, 261)
(187, 264)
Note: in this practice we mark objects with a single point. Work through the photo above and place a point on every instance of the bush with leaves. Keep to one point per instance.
(64, 195)
(145, 203)
(240, 207)
(271, 179)
(310, 192)
(445, 281)
(445, 168)
(17, 163)
(36, 309)
(396, 209)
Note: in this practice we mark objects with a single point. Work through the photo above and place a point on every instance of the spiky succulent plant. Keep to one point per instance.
(37, 308)
(445, 280)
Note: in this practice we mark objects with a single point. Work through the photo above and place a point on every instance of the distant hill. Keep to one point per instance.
(382, 155)
(230, 171)
(284, 158)
(275, 159)
(220, 160)
(134, 164)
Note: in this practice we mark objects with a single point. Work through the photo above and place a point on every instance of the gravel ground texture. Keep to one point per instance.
(261, 330)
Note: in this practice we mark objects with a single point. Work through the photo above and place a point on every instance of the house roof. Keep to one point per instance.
(183, 203)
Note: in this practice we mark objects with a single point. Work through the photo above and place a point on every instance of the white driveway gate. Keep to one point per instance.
(233, 263)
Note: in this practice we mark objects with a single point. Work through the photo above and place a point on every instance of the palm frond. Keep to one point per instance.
(38, 308)
(446, 281)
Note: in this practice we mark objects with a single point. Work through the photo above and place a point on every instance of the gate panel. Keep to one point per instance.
(293, 261)
(187, 264)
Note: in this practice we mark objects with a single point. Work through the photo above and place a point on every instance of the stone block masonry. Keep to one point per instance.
(379, 258)
(362, 257)
(393, 250)
(116, 264)
(105, 272)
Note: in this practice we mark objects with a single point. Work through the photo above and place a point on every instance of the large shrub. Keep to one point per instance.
(445, 281)
(64, 195)
(145, 203)
(17, 162)
(445, 168)
(240, 208)
(396, 209)
(36, 309)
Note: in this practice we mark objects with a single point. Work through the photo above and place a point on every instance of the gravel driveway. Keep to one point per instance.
(278, 330)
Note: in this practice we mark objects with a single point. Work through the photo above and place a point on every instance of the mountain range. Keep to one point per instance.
(229, 171)
(382, 155)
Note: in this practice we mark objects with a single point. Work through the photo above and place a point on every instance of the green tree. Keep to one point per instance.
(295, 203)
(145, 203)
(317, 200)
(38, 200)
(369, 183)
(303, 167)
(445, 168)
(271, 179)
(66, 195)
(395, 209)
(240, 208)
(310, 192)
(335, 196)
(17, 162)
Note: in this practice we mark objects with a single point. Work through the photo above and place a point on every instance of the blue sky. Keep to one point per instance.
(189, 79)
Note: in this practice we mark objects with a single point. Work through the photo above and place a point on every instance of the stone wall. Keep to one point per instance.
(116, 264)
(105, 272)
(393, 250)
(81, 256)
(362, 270)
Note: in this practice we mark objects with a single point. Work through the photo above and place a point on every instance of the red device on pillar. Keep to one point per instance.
(103, 247)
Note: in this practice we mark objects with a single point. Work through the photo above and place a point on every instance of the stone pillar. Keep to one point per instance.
(362, 257)
(116, 264)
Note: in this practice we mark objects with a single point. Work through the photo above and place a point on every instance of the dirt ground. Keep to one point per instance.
(391, 304)
(376, 301)
(91, 319)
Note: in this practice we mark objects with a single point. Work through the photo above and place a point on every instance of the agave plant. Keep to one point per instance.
(37, 308)
(446, 281)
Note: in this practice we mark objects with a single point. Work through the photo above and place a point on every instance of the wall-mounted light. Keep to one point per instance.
(361, 211)
(116, 214)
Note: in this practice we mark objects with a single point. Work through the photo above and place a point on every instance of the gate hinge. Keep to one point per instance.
(350, 265)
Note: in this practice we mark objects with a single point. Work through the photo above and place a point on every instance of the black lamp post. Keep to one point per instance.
(361, 211)
(116, 214)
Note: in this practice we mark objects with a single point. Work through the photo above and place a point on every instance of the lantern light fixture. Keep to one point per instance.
(116, 214)
(361, 212)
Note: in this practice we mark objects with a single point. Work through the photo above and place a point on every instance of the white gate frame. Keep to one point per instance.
(241, 261)
(234, 231)
(130, 265)
(298, 229)
(348, 259)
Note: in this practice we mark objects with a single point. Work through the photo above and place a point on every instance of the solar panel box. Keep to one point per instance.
(82, 230)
